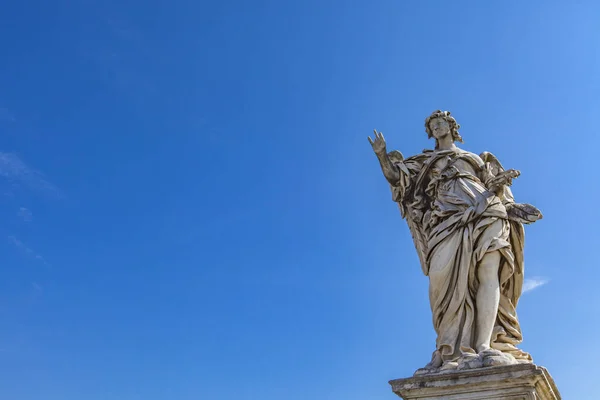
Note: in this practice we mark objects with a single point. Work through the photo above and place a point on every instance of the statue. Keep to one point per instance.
(468, 232)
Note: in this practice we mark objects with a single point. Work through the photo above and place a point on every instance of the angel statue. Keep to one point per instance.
(468, 232)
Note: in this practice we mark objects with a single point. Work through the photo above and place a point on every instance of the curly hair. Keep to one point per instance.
(445, 115)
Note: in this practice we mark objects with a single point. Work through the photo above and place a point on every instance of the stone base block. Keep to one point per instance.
(513, 382)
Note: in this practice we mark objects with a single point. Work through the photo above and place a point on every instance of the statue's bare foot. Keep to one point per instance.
(489, 352)
(425, 371)
(449, 366)
(495, 358)
(432, 367)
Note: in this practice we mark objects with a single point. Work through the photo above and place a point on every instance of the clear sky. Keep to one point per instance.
(191, 210)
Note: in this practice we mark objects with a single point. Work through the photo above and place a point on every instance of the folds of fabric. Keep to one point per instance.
(467, 223)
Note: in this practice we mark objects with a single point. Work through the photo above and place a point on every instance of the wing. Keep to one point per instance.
(412, 216)
(492, 160)
(415, 226)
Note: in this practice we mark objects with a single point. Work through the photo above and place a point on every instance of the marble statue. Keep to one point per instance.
(468, 232)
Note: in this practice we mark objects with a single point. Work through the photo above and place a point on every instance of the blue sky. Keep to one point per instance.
(191, 210)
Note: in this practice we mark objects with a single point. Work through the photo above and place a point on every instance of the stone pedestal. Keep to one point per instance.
(514, 382)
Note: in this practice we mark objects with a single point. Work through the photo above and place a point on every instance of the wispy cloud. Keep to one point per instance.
(25, 214)
(26, 249)
(20, 245)
(533, 283)
(15, 170)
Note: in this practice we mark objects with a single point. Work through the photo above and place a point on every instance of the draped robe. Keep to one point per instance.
(459, 221)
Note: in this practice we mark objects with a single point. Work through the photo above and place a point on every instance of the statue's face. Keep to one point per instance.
(439, 128)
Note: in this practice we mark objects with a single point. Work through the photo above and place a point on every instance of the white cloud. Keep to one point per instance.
(26, 249)
(533, 283)
(20, 245)
(15, 170)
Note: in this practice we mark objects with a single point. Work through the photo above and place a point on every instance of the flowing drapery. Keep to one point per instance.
(459, 222)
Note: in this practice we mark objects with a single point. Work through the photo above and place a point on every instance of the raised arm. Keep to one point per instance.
(390, 170)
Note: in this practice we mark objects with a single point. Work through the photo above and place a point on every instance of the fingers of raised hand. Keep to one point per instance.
(376, 137)
(379, 142)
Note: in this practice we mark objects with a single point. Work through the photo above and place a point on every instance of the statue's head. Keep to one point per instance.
(440, 124)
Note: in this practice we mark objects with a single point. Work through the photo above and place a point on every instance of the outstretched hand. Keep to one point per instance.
(379, 146)
(503, 179)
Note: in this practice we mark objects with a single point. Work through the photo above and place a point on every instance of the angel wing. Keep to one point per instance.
(492, 160)
(419, 238)
(413, 217)
(523, 213)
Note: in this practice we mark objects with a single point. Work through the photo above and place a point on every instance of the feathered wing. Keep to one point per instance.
(419, 237)
(412, 216)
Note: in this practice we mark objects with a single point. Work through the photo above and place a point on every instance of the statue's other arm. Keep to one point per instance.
(498, 179)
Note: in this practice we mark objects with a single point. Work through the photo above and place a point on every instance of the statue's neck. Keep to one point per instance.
(445, 143)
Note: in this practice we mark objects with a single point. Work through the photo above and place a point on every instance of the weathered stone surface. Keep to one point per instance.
(512, 382)
(468, 233)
